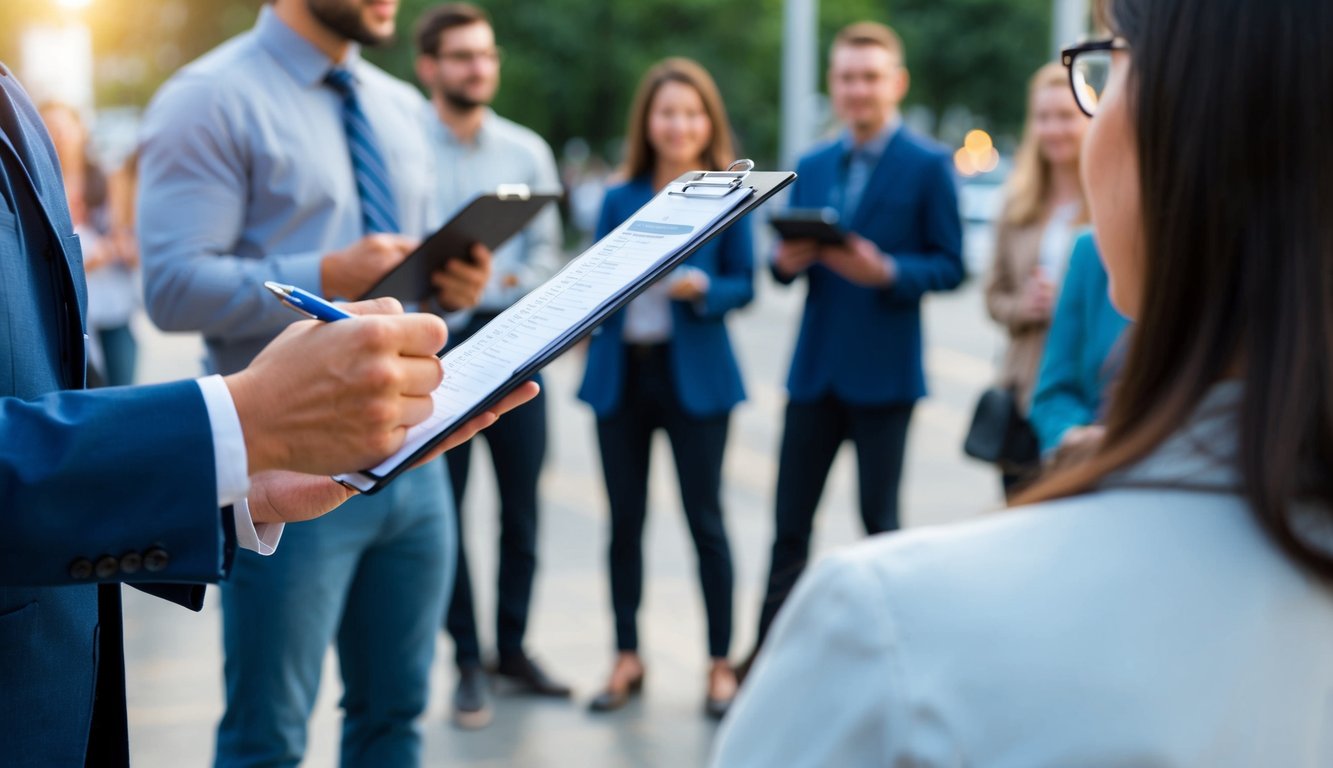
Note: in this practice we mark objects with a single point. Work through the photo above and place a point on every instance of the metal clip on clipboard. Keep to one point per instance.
(513, 192)
(715, 184)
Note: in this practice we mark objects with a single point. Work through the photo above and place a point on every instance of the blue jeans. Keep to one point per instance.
(120, 353)
(374, 576)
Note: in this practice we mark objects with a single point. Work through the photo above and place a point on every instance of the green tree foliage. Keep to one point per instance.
(571, 66)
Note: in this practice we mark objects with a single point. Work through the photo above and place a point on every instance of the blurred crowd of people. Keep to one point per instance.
(284, 156)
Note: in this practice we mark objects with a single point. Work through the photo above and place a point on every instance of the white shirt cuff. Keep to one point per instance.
(231, 465)
(262, 538)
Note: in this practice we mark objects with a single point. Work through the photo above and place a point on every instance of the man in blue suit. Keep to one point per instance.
(857, 369)
(150, 484)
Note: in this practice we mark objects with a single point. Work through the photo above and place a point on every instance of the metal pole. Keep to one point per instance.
(800, 65)
(1069, 23)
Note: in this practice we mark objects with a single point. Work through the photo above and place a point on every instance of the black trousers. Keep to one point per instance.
(518, 447)
(625, 439)
(810, 440)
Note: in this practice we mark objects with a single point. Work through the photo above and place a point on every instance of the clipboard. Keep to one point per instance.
(702, 184)
(489, 219)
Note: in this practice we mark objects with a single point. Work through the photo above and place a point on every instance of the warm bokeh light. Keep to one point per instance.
(978, 142)
(977, 155)
(74, 5)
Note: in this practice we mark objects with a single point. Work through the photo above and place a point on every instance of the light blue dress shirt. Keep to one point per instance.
(1150, 623)
(503, 152)
(246, 177)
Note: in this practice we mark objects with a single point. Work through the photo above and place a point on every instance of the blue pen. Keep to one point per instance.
(306, 302)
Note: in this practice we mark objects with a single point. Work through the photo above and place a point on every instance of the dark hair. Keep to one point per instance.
(442, 18)
(1232, 117)
(640, 157)
(864, 33)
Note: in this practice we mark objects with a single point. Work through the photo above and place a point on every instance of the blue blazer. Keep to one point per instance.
(707, 378)
(863, 345)
(1075, 371)
(96, 488)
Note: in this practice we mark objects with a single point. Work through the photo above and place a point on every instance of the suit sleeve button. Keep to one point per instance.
(131, 562)
(155, 560)
(81, 569)
(107, 566)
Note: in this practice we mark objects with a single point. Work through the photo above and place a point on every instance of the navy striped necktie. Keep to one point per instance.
(378, 212)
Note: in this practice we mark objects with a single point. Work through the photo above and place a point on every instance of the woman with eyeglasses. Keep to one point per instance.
(1169, 601)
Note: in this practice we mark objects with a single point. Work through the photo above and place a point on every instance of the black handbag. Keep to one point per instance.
(999, 434)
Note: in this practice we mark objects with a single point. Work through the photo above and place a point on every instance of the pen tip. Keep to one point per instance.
(278, 288)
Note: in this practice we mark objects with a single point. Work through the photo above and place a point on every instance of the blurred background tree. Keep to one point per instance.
(571, 66)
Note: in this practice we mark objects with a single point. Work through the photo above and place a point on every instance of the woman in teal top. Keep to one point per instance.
(665, 362)
(1081, 357)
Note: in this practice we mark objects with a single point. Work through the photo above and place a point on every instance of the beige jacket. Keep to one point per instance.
(1017, 251)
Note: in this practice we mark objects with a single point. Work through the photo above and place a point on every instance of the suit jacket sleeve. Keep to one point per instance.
(798, 200)
(939, 265)
(828, 687)
(733, 285)
(191, 212)
(104, 473)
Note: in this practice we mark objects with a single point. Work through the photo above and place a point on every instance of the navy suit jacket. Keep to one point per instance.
(863, 345)
(96, 487)
(706, 376)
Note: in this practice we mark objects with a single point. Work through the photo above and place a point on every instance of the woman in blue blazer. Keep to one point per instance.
(665, 362)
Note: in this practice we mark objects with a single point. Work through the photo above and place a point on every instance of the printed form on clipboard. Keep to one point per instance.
(560, 307)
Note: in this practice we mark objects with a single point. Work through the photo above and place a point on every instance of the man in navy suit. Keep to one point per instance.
(857, 369)
(157, 483)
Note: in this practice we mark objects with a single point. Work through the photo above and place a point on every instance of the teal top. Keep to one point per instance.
(1075, 370)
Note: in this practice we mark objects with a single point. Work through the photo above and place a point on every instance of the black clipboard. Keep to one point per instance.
(488, 219)
(818, 224)
(763, 184)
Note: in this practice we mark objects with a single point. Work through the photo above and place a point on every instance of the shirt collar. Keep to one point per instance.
(872, 148)
(483, 133)
(303, 61)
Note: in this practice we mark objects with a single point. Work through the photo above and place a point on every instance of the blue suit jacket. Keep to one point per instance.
(1074, 372)
(863, 345)
(707, 378)
(96, 479)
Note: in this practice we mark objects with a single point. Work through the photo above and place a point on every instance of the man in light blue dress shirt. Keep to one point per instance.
(476, 151)
(261, 162)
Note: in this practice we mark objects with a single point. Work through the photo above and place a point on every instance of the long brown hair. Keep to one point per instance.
(1231, 118)
(640, 157)
(1029, 188)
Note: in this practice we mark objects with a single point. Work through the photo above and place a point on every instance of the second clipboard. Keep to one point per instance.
(488, 219)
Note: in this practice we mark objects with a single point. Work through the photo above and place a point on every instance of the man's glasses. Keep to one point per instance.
(1089, 66)
(489, 56)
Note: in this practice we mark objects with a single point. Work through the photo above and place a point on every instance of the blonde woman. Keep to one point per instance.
(1044, 209)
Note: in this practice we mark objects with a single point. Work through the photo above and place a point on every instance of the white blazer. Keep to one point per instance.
(1135, 626)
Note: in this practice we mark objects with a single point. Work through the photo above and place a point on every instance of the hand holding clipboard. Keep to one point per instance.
(488, 220)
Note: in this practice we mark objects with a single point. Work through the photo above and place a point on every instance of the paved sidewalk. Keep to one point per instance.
(175, 660)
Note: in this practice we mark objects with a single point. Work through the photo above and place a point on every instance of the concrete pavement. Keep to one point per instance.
(175, 660)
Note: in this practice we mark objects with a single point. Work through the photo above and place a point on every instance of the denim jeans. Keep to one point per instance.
(372, 576)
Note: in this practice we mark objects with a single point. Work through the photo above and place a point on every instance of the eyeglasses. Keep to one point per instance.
(1089, 66)
(490, 56)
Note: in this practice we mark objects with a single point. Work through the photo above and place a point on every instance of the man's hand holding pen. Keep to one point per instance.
(335, 397)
